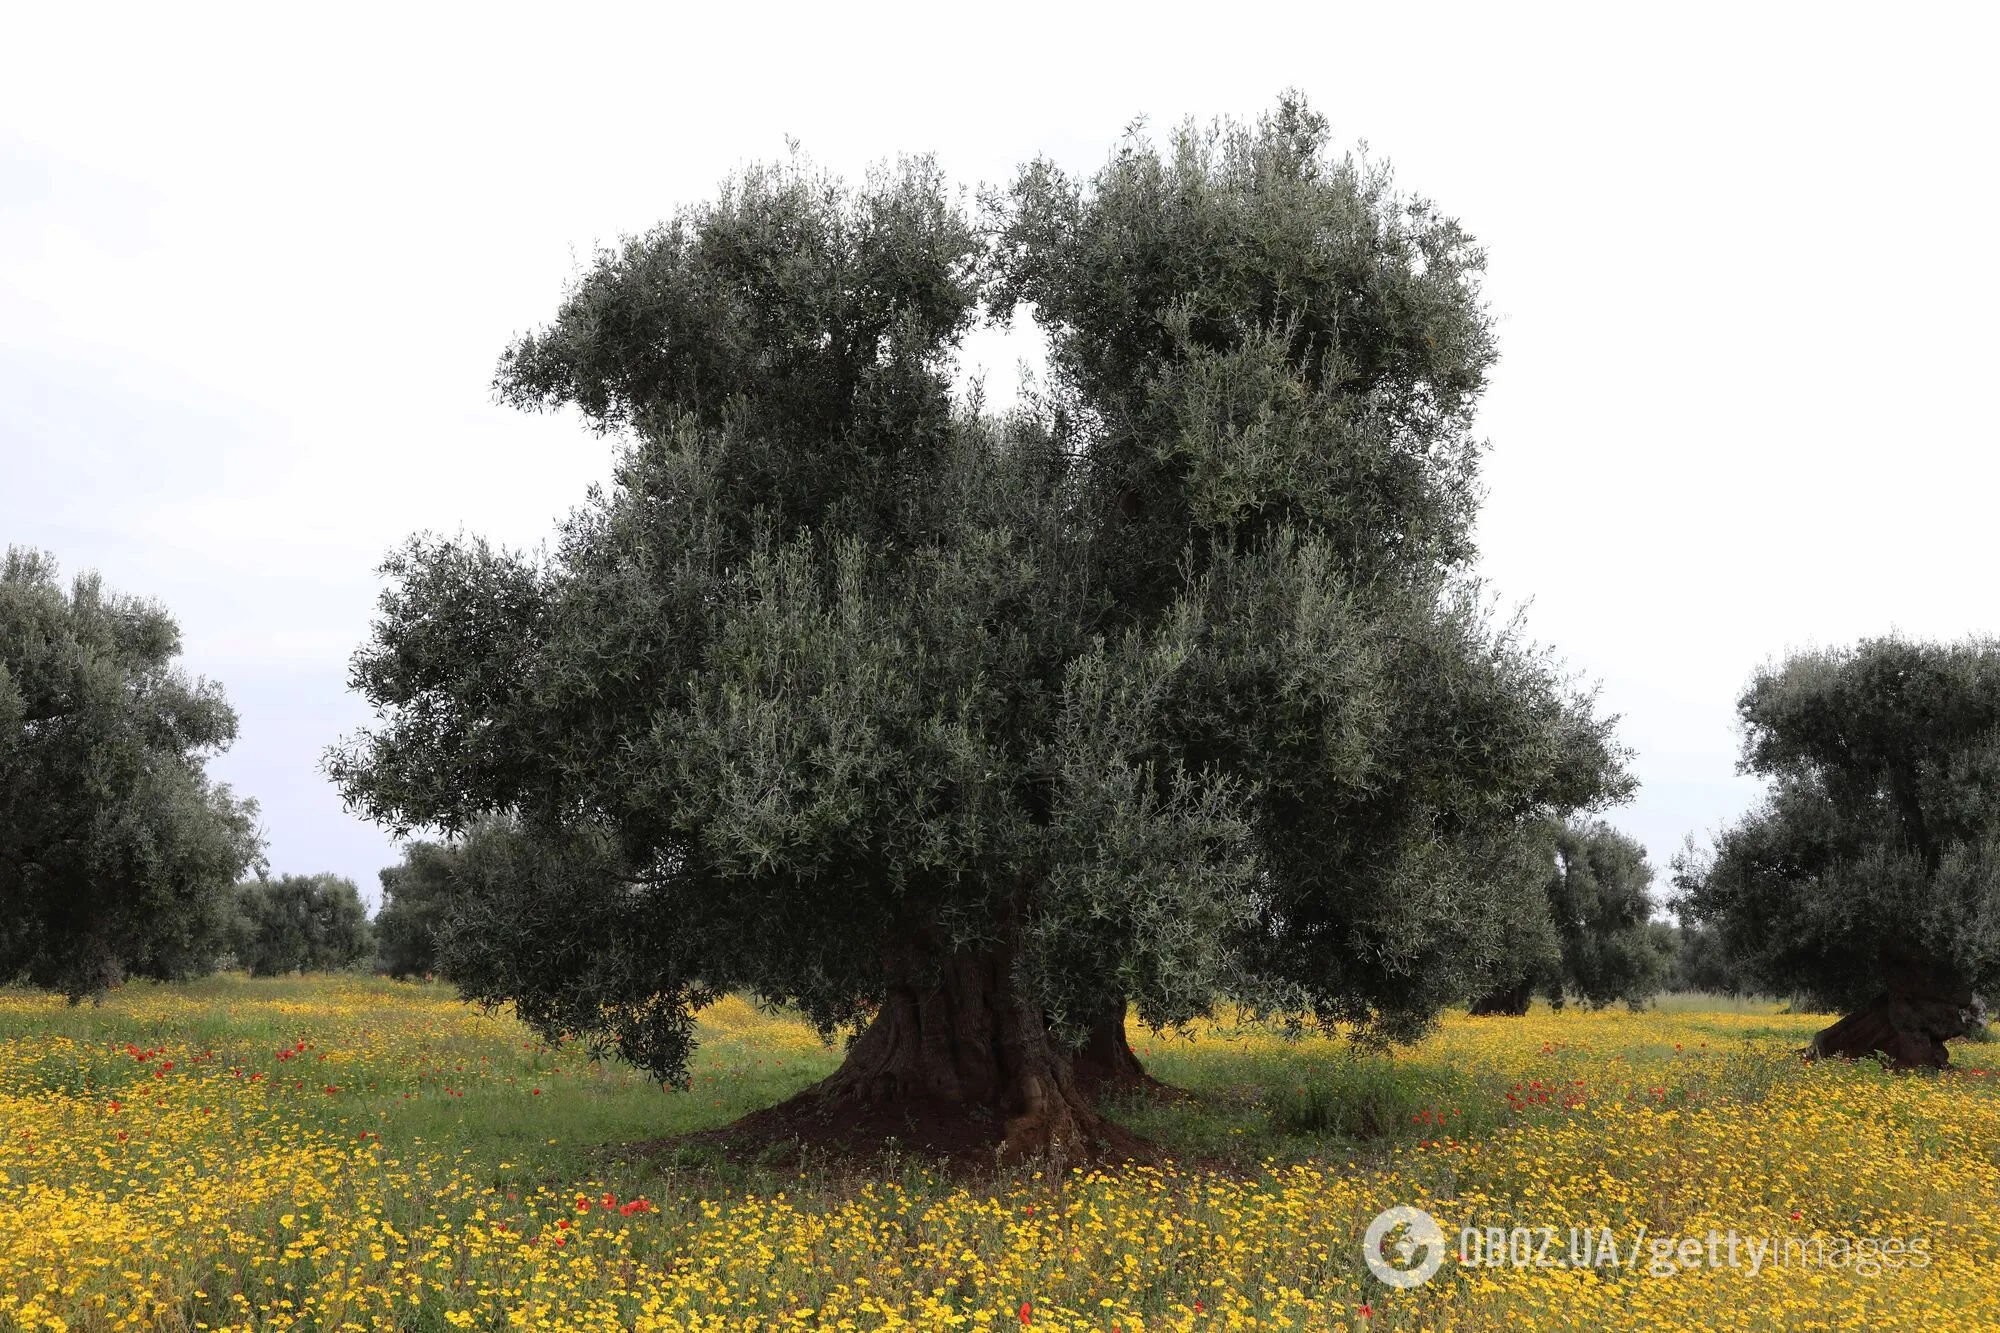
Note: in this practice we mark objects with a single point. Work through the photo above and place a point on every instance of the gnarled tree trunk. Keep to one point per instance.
(1921, 1007)
(956, 1065)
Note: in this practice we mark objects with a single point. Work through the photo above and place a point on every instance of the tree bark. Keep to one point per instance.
(1921, 1007)
(1106, 1062)
(960, 1066)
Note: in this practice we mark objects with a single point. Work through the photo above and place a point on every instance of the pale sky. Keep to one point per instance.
(256, 267)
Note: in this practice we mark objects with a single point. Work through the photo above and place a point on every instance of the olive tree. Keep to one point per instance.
(963, 732)
(117, 853)
(1593, 938)
(415, 894)
(1868, 881)
(300, 923)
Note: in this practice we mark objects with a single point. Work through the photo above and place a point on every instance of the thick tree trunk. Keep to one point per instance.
(958, 1066)
(1921, 1008)
(1106, 1062)
(1511, 1002)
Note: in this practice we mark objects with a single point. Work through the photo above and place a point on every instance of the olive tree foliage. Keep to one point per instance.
(1593, 938)
(848, 695)
(1265, 362)
(300, 923)
(415, 898)
(1870, 876)
(1701, 964)
(117, 853)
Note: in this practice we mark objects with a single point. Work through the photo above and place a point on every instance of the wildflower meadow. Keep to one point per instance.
(338, 1153)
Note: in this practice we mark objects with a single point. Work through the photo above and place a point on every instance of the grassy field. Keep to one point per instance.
(353, 1154)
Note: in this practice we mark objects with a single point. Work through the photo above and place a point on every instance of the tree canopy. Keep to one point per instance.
(300, 923)
(1869, 879)
(414, 899)
(117, 854)
(1594, 939)
(962, 728)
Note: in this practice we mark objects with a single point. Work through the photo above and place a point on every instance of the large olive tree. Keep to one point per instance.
(965, 731)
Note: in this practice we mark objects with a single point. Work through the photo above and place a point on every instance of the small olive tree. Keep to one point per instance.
(414, 900)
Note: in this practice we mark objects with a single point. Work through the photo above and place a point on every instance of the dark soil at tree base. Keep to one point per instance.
(961, 1070)
(1909, 1023)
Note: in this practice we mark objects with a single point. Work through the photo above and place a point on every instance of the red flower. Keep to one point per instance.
(1027, 1312)
(1365, 1311)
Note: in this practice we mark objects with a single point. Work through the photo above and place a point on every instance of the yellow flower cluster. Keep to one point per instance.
(345, 1154)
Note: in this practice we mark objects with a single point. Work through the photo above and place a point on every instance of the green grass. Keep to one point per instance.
(473, 1113)
(1244, 1096)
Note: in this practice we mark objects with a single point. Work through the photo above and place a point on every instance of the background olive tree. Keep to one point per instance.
(1869, 879)
(1594, 940)
(300, 923)
(414, 899)
(117, 853)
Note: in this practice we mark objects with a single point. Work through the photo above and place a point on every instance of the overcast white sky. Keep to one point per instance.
(256, 266)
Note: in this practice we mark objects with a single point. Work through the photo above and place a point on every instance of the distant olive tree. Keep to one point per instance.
(414, 896)
(1869, 879)
(1593, 938)
(116, 851)
(1701, 964)
(301, 923)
